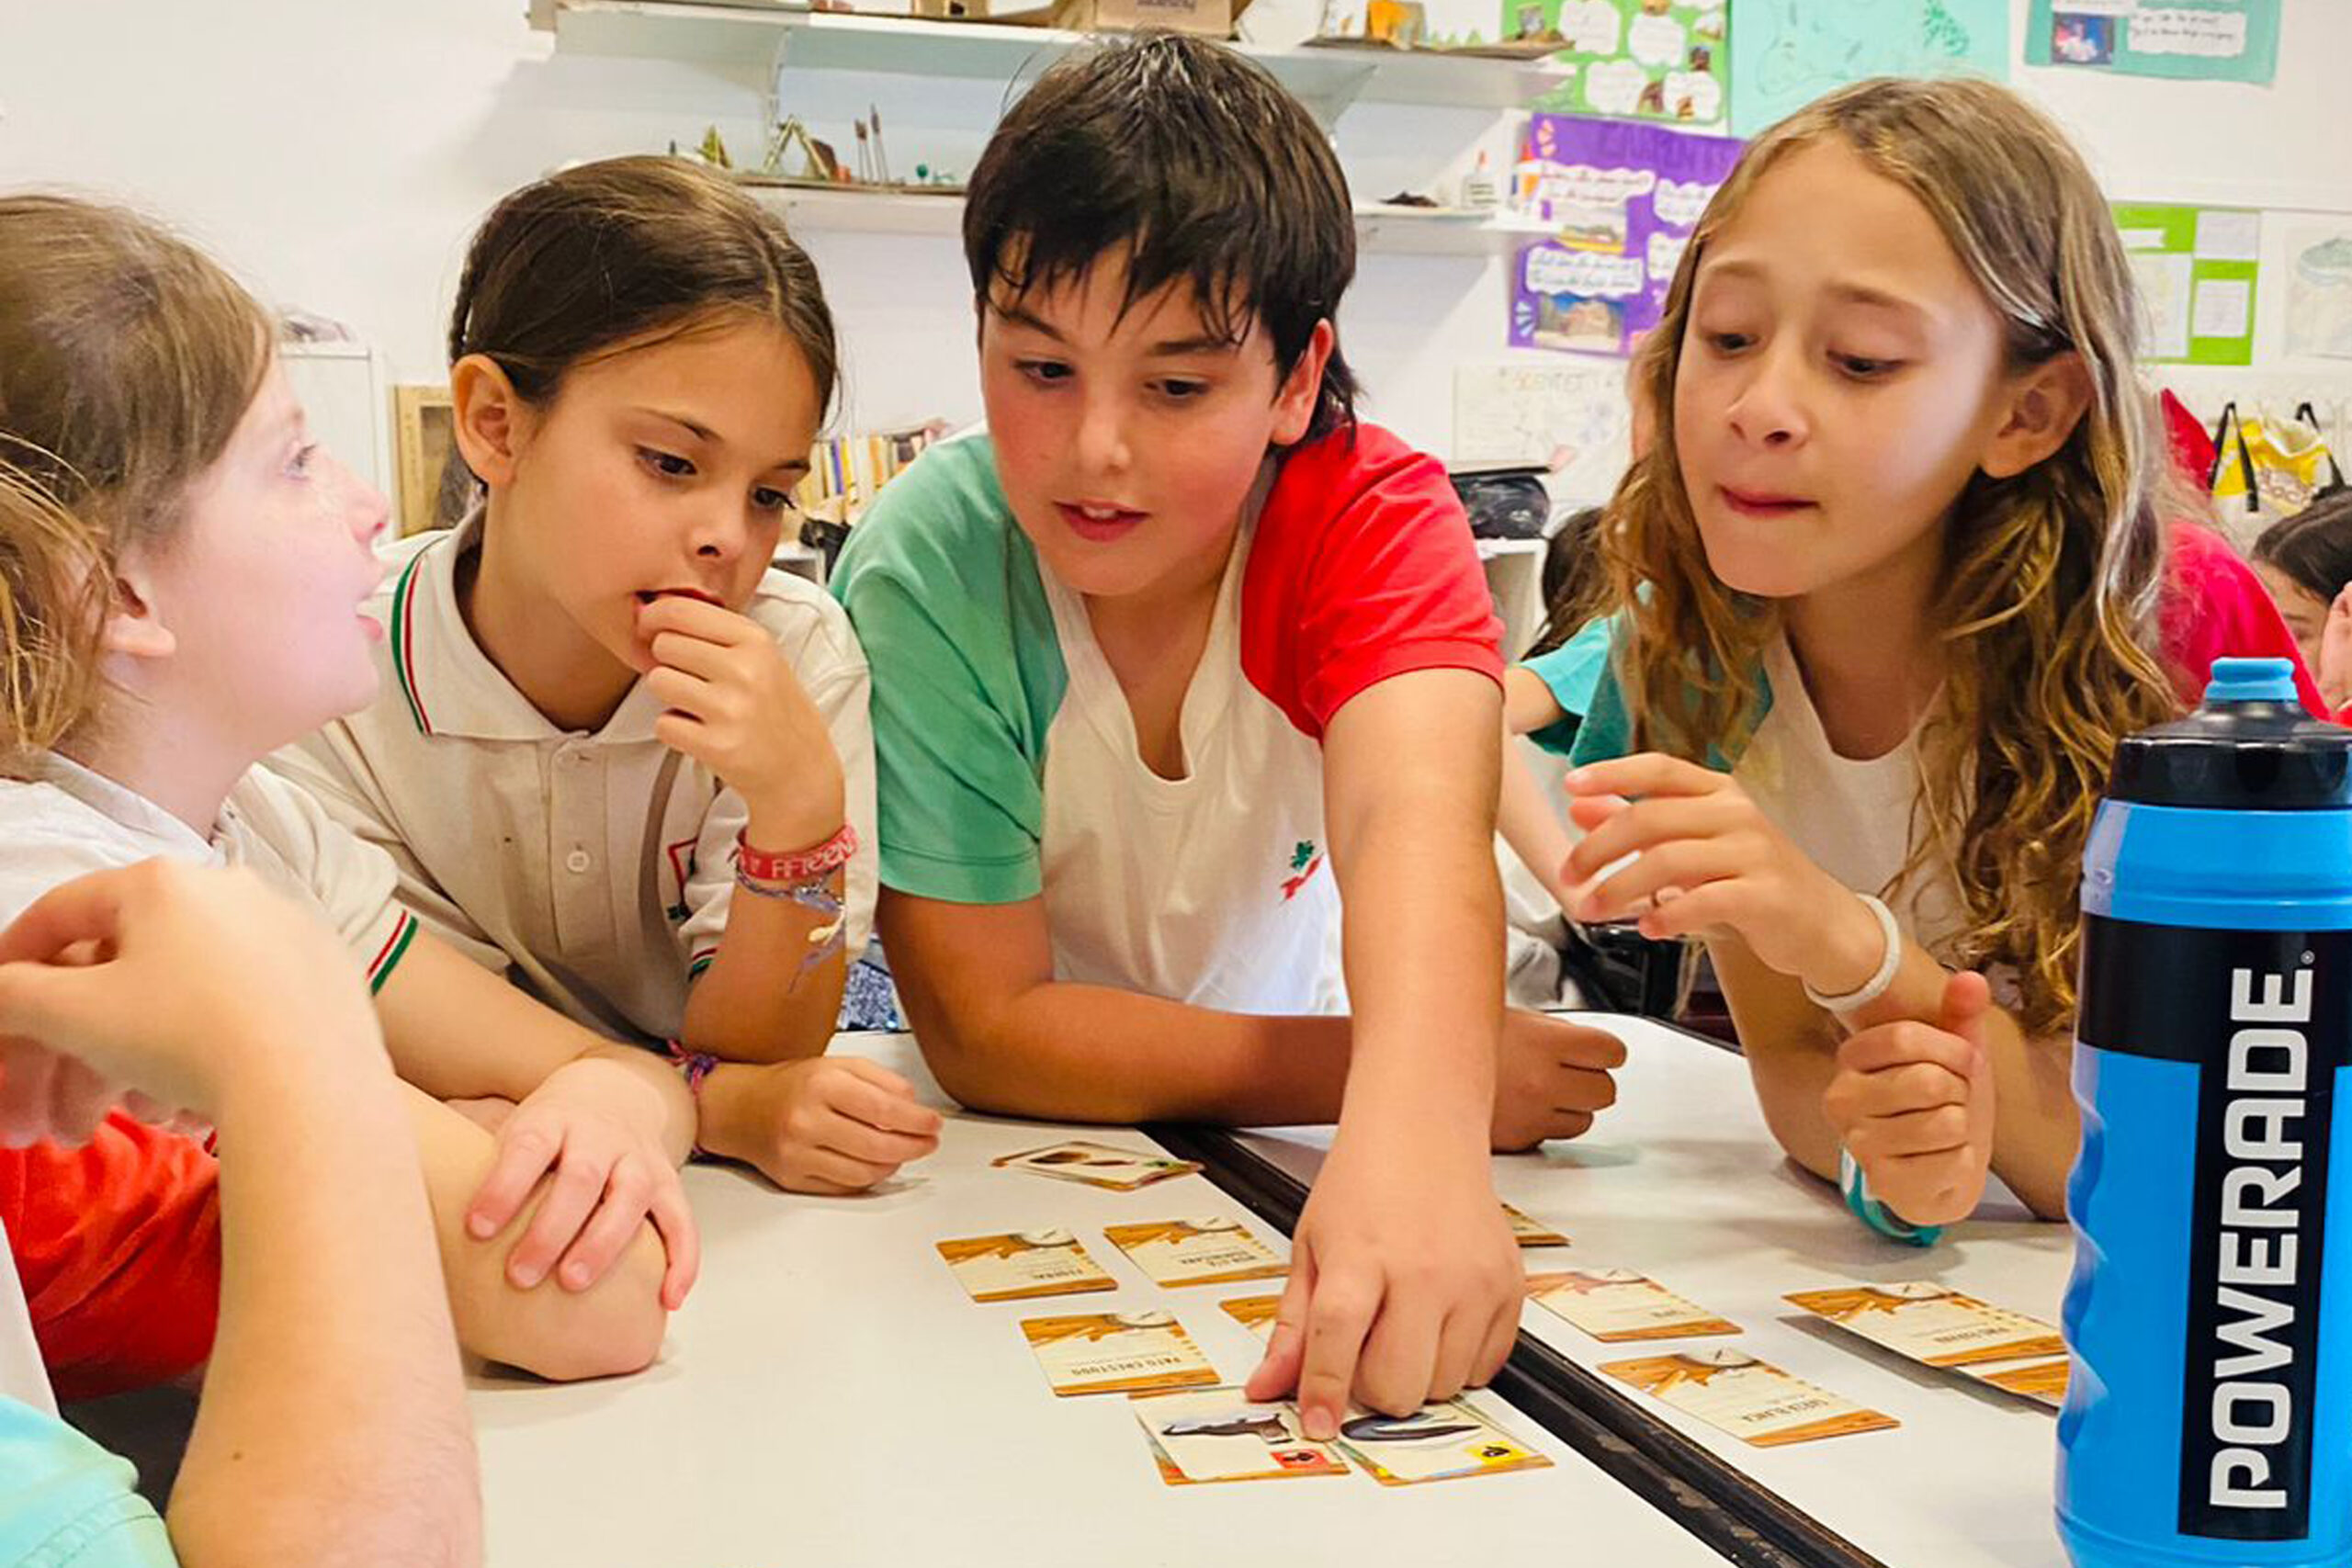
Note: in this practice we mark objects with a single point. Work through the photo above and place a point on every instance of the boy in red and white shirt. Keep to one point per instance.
(1171, 665)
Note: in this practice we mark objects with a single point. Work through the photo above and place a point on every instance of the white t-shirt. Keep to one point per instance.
(597, 870)
(22, 1378)
(1141, 870)
(1852, 817)
(1008, 747)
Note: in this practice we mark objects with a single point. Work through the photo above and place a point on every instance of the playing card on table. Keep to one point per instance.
(1755, 1402)
(1221, 1435)
(1444, 1440)
(1531, 1233)
(1209, 1251)
(1116, 1353)
(1256, 1314)
(1618, 1304)
(1021, 1264)
(1097, 1164)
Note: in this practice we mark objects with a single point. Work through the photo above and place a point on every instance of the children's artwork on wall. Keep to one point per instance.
(2196, 267)
(1785, 53)
(1659, 60)
(2319, 288)
(1622, 200)
(1571, 417)
(2222, 40)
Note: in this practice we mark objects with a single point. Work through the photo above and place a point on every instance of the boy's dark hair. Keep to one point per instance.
(1202, 167)
(626, 248)
(2313, 547)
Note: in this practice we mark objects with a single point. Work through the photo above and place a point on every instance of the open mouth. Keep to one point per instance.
(1758, 503)
(1095, 520)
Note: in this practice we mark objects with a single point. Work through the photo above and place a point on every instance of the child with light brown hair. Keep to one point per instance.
(1895, 577)
(184, 596)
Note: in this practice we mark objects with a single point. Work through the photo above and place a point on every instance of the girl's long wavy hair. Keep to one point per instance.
(2050, 599)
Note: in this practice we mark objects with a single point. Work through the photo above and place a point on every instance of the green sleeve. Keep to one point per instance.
(944, 592)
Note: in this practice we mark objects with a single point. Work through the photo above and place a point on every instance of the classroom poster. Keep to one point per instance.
(2219, 41)
(2319, 288)
(1660, 59)
(1571, 417)
(1785, 53)
(2197, 269)
(1622, 200)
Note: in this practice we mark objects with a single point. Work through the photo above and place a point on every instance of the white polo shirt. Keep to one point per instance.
(594, 870)
(66, 821)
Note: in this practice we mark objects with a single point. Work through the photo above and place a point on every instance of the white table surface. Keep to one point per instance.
(1682, 1181)
(830, 1396)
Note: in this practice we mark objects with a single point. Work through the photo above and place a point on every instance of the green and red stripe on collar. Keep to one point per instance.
(403, 641)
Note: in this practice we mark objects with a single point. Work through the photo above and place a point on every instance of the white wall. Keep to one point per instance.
(338, 151)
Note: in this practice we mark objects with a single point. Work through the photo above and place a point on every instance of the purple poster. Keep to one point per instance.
(1622, 199)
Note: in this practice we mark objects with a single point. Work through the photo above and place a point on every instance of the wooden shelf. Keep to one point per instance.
(768, 37)
(1411, 231)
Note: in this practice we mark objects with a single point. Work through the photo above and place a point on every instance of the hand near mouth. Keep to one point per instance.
(734, 705)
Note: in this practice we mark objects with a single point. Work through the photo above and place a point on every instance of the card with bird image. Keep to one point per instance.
(1443, 1440)
(1222, 1435)
(1097, 1164)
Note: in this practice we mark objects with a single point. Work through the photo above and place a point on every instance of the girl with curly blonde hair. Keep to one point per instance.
(1896, 575)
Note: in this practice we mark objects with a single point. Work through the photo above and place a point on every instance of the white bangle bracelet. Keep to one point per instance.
(1875, 986)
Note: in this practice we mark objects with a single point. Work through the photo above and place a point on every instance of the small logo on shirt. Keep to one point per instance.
(681, 871)
(1305, 860)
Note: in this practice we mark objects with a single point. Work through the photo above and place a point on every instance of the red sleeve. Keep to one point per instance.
(1362, 568)
(2214, 607)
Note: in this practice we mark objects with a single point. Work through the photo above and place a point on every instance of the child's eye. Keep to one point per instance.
(299, 465)
(668, 464)
(1728, 342)
(1862, 367)
(1182, 391)
(1044, 372)
(767, 498)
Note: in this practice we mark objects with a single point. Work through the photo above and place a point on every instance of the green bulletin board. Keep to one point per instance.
(2197, 269)
(1656, 60)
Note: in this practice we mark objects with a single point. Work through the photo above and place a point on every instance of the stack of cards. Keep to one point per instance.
(1944, 1329)
(1615, 1305)
(1196, 1252)
(1757, 1402)
(1117, 1353)
(1021, 1264)
(1097, 1164)
(1220, 1435)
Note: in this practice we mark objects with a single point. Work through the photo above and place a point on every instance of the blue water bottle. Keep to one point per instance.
(2209, 1319)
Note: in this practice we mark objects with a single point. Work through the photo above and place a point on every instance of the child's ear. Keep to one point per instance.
(2044, 406)
(487, 418)
(1302, 388)
(133, 628)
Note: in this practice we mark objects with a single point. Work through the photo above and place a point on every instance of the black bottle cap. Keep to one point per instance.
(2250, 747)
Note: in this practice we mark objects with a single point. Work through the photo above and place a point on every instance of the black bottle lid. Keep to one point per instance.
(2250, 747)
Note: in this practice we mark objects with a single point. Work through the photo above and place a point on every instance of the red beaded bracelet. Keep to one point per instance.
(805, 865)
